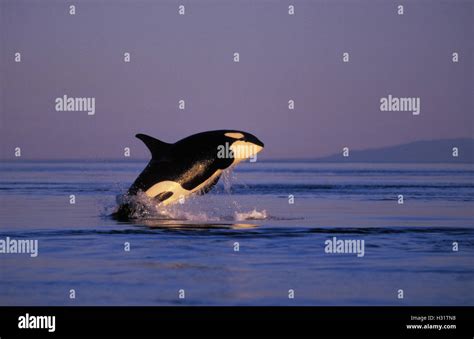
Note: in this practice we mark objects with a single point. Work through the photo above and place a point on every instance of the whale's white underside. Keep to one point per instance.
(178, 191)
(238, 147)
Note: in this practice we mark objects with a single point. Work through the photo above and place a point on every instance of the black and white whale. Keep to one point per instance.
(192, 165)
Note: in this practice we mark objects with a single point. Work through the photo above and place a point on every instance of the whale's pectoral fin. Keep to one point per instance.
(209, 185)
(156, 147)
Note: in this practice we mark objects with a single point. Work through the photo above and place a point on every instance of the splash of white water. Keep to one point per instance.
(252, 215)
(201, 209)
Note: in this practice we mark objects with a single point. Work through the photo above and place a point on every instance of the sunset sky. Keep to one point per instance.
(190, 57)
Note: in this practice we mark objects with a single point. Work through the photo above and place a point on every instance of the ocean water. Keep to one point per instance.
(191, 247)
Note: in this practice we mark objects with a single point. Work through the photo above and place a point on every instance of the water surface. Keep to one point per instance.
(281, 245)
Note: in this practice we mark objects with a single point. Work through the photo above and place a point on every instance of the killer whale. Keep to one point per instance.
(192, 165)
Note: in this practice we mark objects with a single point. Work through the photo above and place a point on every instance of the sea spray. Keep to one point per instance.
(208, 208)
(197, 209)
(252, 215)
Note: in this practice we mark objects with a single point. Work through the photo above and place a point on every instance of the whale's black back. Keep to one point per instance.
(189, 162)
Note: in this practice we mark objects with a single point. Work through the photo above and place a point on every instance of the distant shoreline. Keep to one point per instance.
(438, 151)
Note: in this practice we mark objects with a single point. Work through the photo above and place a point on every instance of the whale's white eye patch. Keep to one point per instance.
(234, 135)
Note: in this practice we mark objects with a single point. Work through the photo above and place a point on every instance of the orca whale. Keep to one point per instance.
(192, 165)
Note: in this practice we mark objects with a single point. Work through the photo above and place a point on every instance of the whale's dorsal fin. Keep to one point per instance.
(156, 147)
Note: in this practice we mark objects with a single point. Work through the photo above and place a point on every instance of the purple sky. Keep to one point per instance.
(191, 57)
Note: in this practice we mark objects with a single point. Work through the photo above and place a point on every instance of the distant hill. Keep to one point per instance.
(427, 151)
